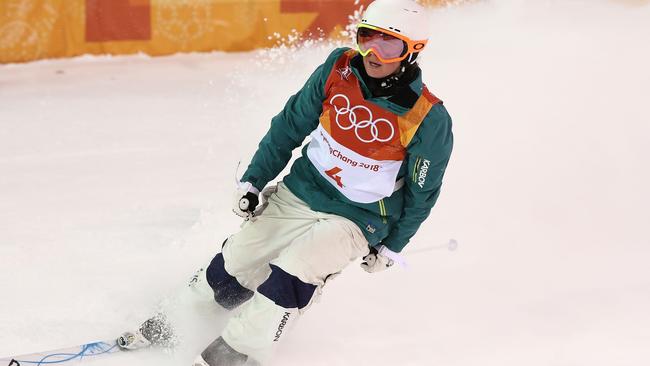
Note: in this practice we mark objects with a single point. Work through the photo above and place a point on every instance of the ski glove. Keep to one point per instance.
(245, 201)
(377, 260)
(265, 195)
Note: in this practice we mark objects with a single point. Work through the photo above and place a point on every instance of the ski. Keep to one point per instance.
(194, 298)
(63, 355)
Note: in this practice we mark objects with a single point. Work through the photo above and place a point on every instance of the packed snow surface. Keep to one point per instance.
(116, 177)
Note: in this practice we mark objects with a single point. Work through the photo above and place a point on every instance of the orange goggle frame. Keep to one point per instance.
(411, 46)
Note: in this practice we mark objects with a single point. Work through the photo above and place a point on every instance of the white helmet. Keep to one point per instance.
(405, 17)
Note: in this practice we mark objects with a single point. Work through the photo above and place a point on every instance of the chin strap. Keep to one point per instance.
(413, 57)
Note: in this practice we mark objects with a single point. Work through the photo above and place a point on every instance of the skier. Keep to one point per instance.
(372, 171)
(380, 143)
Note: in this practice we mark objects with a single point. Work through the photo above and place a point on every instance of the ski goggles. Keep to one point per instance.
(388, 46)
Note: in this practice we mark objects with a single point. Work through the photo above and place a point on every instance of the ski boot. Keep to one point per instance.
(219, 353)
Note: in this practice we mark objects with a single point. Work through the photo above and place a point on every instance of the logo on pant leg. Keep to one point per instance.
(283, 323)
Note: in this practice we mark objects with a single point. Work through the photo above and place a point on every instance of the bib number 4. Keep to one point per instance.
(332, 173)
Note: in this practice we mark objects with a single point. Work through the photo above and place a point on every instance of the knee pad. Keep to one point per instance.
(228, 292)
(286, 290)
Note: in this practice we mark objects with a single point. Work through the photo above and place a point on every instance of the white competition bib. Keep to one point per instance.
(357, 177)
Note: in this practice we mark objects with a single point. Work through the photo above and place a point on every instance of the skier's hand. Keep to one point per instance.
(245, 201)
(375, 261)
(264, 199)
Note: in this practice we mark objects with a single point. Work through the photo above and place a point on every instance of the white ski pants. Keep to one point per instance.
(285, 255)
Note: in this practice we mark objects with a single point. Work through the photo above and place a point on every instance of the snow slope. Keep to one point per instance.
(116, 177)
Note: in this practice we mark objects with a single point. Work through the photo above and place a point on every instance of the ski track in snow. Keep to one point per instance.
(116, 175)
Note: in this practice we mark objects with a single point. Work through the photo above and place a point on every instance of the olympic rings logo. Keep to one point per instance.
(358, 125)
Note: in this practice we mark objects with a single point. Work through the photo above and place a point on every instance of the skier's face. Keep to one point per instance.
(377, 69)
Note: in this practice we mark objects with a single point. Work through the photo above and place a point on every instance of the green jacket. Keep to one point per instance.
(392, 220)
